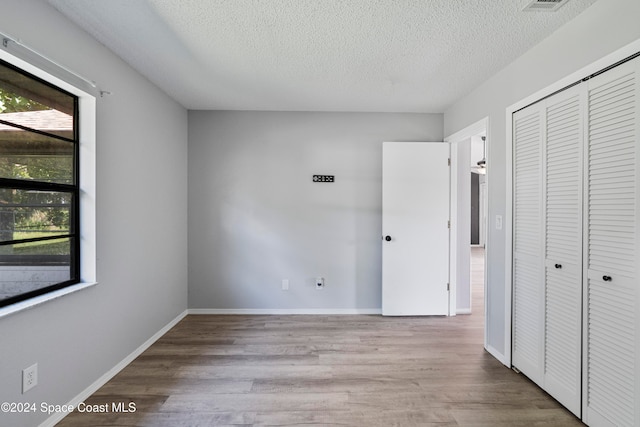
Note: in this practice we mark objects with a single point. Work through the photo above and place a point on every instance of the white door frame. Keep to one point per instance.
(454, 140)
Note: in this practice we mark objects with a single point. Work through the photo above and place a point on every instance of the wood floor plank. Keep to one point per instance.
(229, 360)
(243, 372)
(247, 402)
(365, 370)
(515, 417)
(333, 385)
(153, 386)
(356, 417)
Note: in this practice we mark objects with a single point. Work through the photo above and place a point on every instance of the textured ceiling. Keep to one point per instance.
(317, 55)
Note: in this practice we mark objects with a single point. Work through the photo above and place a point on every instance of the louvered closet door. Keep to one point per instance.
(612, 333)
(528, 309)
(563, 246)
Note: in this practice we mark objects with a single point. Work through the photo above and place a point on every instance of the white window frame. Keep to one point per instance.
(62, 78)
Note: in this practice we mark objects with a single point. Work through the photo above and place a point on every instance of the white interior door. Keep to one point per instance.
(611, 387)
(528, 256)
(415, 215)
(563, 246)
(547, 277)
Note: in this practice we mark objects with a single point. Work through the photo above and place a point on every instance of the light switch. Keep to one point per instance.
(498, 222)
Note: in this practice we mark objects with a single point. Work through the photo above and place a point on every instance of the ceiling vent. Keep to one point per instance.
(544, 5)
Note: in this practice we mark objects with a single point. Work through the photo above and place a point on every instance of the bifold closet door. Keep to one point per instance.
(547, 302)
(528, 277)
(563, 246)
(611, 353)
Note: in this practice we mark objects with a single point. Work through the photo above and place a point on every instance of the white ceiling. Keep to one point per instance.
(317, 55)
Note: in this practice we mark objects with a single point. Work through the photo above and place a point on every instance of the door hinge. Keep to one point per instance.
(449, 162)
(449, 224)
(447, 286)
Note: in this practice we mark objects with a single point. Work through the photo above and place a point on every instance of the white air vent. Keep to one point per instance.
(544, 5)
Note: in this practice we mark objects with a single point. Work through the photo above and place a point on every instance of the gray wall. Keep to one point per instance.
(475, 208)
(604, 27)
(256, 217)
(141, 226)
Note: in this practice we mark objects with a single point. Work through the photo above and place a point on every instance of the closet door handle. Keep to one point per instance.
(558, 265)
(387, 238)
(606, 278)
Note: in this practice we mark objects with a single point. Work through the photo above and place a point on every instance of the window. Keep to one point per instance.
(39, 186)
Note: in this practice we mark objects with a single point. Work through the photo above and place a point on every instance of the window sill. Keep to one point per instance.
(33, 302)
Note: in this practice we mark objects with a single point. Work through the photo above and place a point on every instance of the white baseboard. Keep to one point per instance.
(463, 311)
(57, 417)
(316, 311)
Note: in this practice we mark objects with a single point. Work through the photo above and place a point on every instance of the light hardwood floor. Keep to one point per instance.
(323, 371)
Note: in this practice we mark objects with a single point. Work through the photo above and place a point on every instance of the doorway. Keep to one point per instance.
(469, 154)
(478, 215)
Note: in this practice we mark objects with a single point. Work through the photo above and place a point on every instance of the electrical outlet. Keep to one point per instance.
(319, 283)
(285, 284)
(29, 377)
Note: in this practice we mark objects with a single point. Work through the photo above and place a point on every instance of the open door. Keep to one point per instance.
(415, 225)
